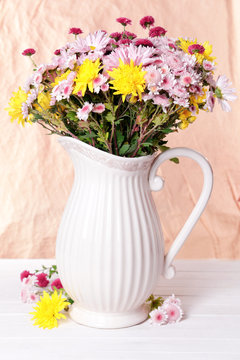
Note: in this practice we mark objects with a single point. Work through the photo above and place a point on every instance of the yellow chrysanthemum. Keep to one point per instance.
(86, 74)
(196, 100)
(128, 79)
(60, 78)
(15, 106)
(44, 101)
(186, 117)
(184, 45)
(47, 310)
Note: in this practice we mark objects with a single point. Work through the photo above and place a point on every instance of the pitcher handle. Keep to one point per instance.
(156, 184)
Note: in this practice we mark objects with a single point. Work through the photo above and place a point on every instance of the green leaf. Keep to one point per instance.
(124, 149)
(175, 160)
(108, 106)
(160, 119)
(167, 130)
(110, 117)
(71, 115)
(120, 138)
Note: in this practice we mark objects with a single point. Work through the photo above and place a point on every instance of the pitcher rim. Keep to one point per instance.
(69, 140)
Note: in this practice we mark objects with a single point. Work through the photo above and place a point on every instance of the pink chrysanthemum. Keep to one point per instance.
(124, 21)
(157, 31)
(116, 35)
(143, 42)
(146, 21)
(98, 108)
(208, 65)
(28, 52)
(42, 280)
(57, 52)
(158, 316)
(57, 284)
(75, 31)
(196, 48)
(172, 300)
(24, 274)
(82, 113)
(174, 312)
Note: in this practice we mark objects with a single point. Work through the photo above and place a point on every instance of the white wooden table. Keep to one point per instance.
(210, 293)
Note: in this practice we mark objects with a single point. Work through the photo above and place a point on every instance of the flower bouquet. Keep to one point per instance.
(120, 93)
(114, 99)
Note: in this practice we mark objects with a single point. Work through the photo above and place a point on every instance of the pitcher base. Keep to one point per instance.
(108, 320)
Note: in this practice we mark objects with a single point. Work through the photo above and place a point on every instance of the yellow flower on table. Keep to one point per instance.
(128, 79)
(15, 106)
(48, 310)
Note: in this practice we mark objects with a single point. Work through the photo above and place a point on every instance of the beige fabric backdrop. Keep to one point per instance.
(36, 174)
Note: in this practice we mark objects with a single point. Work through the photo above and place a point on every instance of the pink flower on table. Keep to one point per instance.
(146, 21)
(42, 280)
(157, 31)
(75, 31)
(158, 316)
(82, 113)
(124, 21)
(143, 42)
(24, 274)
(57, 284)
(174, 312)
(28, 52)
(98, 108)
(30, 281)
(28, 295)
(208, 65)
(172, 300)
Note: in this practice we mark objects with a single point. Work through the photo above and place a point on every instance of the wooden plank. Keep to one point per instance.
(17, 326)
(91, 348)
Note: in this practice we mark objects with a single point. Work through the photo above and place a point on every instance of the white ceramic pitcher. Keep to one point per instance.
(110, 247)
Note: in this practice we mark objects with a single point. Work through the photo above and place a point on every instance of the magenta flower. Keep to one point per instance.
(124, 21)
(57, 52)
(24, 274)
(130, 35)
(42, 280)
(143, 42)
(116, 35)
(124, 42)
(196, 48)
(147, 21)
(57, 284)
(28, 52)
(75, 31)
(157, 31)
